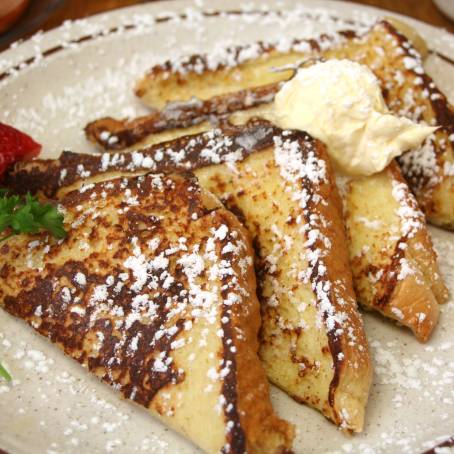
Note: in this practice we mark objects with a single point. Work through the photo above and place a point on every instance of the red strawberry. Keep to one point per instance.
(15, 146)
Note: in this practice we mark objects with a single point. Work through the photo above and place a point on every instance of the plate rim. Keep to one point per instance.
(54, 33)
(61, 45)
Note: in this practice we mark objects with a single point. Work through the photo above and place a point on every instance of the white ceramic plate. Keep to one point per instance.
(53, 405)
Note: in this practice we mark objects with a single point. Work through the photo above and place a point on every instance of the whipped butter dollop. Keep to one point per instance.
(340, 103)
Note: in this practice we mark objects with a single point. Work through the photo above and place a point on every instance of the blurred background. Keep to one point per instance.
(20, 18)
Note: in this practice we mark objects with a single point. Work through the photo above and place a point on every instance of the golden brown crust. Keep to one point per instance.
(169, 82)
(419, 294)
(307, 350)
(48, 176)
(392, 58)
(122, 295)
(420, 246)
(428, 170)
(382, 293)
(266, 432)
(411, 33)
(229, 94)
(356, 378)
(413, 299)
(407, 89)
(375, 275)
(330, 371)
(391, 252)
(111, 134)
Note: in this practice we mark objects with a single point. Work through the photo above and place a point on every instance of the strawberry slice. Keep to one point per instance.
(15, 146)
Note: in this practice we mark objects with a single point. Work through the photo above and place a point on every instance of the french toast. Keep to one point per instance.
(380, 258)
(280, 184)
(407, 89)
(158, 126)
(395, 268)
(153, 291)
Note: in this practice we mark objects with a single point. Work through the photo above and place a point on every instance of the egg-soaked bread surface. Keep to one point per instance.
(153, 291)
(281, 185)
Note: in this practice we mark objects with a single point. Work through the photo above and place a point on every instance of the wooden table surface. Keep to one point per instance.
(424, 10)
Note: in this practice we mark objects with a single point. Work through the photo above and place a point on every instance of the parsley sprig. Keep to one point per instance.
(27, 215)
(4, 373)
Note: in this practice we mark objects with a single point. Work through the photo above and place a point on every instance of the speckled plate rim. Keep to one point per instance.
(24, 56)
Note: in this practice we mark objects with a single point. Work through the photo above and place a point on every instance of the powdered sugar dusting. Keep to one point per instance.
(409, 213)
(86, 400)
(104, 88)
(158, 292)
(295, 167)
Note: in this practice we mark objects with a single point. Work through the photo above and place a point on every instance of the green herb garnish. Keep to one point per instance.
(28, 215)
(4, 373)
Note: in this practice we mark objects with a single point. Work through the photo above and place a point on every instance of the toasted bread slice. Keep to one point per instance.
(407, 89)
(380, 263)
(251, 65)
(410, 92)
(158, 127)
(395, 268)
(280, 183)
(153, 291)
(394, 264)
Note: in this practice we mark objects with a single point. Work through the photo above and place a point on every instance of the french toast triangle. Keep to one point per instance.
(153, 291)
(395, 268)
(248, 71)
(281, 185)
(394, 265)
